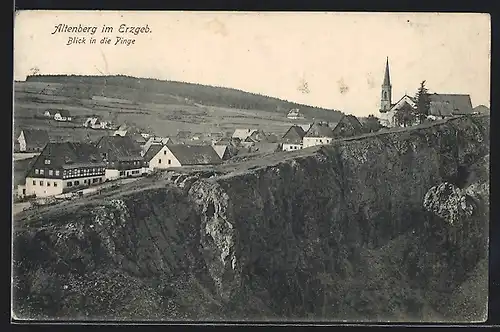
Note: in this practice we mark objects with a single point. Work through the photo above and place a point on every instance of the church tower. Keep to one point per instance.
(386, 96)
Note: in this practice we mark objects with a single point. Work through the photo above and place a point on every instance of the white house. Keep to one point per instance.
(94, 123)
(48, 114)
(295, 114)
(293, 138)
(319, 133)
(62, 115)
(168, 156)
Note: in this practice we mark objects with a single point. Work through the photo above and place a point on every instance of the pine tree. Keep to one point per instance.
(423, 102)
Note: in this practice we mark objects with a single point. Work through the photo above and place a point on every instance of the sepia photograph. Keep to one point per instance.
(177, 166)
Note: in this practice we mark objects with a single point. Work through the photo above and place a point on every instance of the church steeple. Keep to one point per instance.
(387, 78)
(386, 96)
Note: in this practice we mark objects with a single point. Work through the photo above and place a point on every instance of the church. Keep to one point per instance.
(442, 105)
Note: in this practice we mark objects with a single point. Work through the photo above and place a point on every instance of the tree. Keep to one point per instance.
(372, 124)
(423, 102)
(406, 115)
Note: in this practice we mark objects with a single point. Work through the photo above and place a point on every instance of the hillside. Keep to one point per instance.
(147, 90)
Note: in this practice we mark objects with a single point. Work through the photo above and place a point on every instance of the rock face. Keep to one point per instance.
(354, 231)
(449, 203)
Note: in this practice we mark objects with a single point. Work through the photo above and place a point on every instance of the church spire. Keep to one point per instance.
(387, 77)
(386, 97)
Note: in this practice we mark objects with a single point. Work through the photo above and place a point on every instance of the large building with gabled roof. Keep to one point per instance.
(62, 167)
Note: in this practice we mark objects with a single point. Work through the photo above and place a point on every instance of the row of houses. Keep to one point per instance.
(320, 133)
(67, 166)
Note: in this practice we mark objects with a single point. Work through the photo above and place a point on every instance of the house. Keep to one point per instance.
(294, 114)
(48, 113)
(387, 118)
(62, 167)
(93, 123)
(155, 140)
(348, 126)
(179, 155)
(292, 139)
(62, 115)
(122, 156)
(32, 140)
(242, 134)
(318, 134)
(121, 131)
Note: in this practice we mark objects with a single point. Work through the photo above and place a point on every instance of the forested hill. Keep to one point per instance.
(153, 90)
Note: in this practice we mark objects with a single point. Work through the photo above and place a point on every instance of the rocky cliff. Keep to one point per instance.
(391, 226)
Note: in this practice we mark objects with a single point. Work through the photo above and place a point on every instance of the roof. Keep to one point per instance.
(294, 134)
(264, 147)
(35, 138)
(64, 113)
(450, 104)
(152, 151)
(319, 129)
(138, 138)
(348, 124)
(195, 154)
(387, 77)
(67, 154)
(242, 134)
(119, 148)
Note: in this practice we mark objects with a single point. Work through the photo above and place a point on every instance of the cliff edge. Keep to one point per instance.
(357, 231)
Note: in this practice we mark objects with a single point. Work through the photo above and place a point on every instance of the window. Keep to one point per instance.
(37, 171)
(77, 183)
(47, 161)
(85, 181)
(55, 184)
(48, 184)
(321, 141)
(100, 179)
(41, 171)
(50, 172)
(169, 161)
(41, 183)
(34, 182)
(165, 152)
(70, 184)
(94, 180)
(122, 173)
(57, 172)
(159, 161)
(93, 170)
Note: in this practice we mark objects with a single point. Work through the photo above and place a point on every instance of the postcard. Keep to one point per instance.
(325, 167)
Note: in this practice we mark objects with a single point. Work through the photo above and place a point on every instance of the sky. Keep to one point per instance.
(331, 60)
